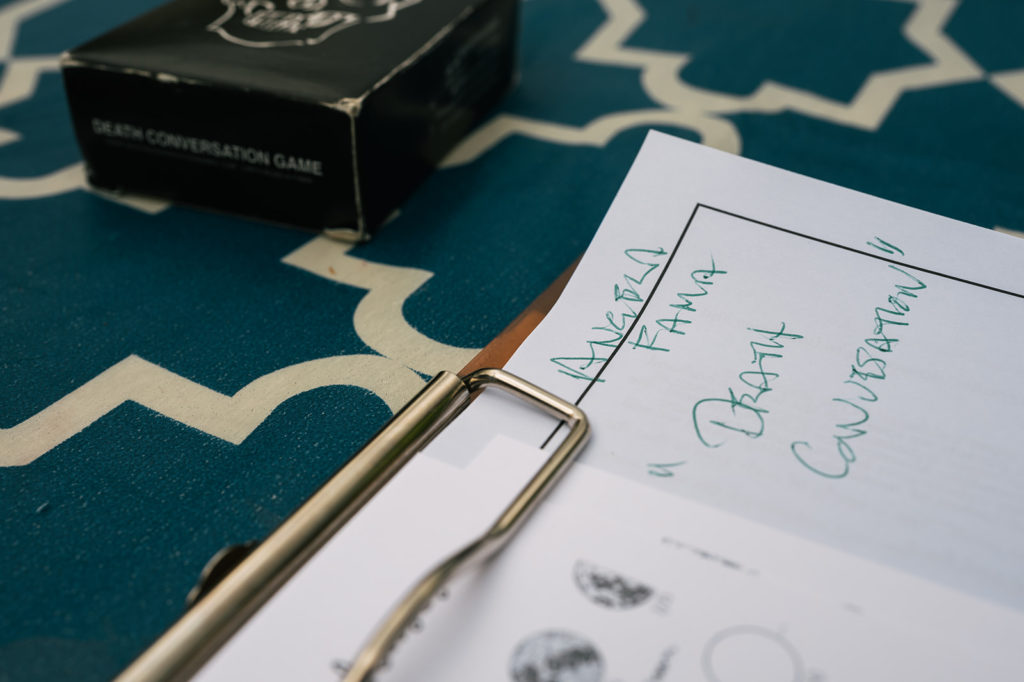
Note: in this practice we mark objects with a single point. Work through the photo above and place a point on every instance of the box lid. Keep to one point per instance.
(309, 50)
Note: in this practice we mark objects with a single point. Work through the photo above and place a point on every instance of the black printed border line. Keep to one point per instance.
(679, 242)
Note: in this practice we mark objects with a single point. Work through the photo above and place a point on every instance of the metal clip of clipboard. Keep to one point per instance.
(194, 638)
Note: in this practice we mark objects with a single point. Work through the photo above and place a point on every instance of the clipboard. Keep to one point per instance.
(242, 586)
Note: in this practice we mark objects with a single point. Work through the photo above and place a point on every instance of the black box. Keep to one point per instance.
(316, 113)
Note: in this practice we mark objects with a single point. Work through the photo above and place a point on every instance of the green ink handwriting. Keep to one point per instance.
(626, 300)
(681, 311)
(723, 417)
(868, 367)
(885, 247)
(664, 470)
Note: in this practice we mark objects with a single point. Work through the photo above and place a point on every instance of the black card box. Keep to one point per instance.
(319, 113)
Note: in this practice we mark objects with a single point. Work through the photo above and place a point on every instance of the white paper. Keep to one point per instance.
(314, 624)
(610, 582)
(934, 486)
(806, 414)
(615, 582)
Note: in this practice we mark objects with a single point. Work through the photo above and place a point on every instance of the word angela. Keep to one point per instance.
(628, 304)
(618, 319)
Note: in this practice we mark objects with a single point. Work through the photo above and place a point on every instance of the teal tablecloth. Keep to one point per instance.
(173, 381)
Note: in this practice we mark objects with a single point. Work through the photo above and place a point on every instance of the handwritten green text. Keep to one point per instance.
(716, 419)
(618, 319)
(870, 361)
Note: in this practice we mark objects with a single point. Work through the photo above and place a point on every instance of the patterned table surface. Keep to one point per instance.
(175, 381)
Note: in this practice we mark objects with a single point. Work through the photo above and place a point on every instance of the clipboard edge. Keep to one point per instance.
(193, 639)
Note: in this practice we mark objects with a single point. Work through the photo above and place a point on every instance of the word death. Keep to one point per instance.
(716, 419)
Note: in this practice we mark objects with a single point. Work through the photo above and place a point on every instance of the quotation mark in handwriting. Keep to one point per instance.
(663, 470)
(885, 247)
